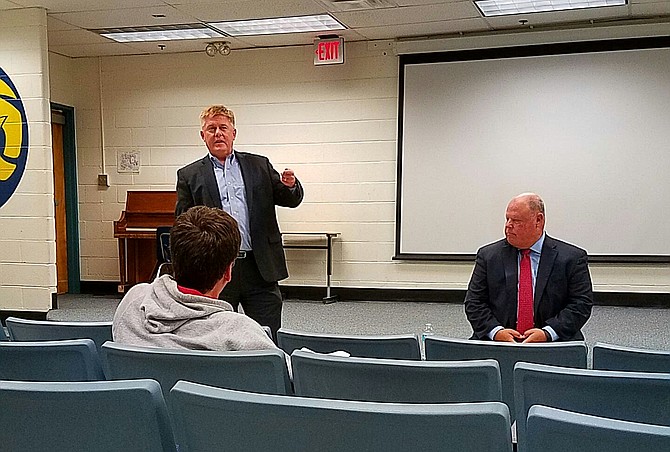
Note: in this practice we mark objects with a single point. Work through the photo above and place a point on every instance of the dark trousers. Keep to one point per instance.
(261, 300)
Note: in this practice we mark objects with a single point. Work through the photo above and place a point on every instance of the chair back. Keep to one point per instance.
(3, 334)
(95, 416)
(616, 357)
(628, 396)
(68, 360)
(405, 346)
(289, 423)
(252, 370)
(566, 354)
(163, 244)
(554, 430)
(391, 380)
(47, 330)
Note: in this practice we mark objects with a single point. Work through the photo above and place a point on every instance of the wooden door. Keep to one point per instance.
(59, 204)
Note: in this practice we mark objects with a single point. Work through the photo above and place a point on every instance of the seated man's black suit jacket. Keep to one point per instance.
(563, 294)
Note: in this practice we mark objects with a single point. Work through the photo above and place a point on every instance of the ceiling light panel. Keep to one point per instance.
(298, 24)
(159, 33)
(490, 8)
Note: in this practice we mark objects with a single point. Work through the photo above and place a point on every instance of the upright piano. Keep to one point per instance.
(136, 232)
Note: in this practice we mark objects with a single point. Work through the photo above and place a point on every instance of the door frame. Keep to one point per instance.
(71, 197)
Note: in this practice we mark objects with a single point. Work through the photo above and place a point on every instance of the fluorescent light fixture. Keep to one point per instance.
(299, 24)
(159, 33)
(491, 8)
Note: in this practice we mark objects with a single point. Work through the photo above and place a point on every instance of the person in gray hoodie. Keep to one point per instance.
(183, 310)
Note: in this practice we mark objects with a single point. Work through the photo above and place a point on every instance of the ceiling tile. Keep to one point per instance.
(58, 6)
(58, 25)
(651, 9)
(557, 17)
(422, 2)
(93, 50)
(425, 29)
(125, 17)
(186, 45)
(296, 38)
(408, 15)
(73, 37)
(244, 9)
(5, 4)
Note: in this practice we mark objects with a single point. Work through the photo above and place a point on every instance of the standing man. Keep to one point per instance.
(248, 188)
(529, 287)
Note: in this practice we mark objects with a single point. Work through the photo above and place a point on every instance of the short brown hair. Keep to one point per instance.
(204, 241)
(214, 110)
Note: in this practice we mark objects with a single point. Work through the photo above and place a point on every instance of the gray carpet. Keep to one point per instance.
(634, 327)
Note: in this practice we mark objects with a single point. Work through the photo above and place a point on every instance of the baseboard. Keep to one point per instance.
(385, 294)
(99, 287)
(30, 315)
(632, 299)
(636, 299)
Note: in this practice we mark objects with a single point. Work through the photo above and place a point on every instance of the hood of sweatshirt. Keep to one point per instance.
(165, 308)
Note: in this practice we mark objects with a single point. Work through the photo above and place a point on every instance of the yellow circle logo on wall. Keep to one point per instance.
(13, 138)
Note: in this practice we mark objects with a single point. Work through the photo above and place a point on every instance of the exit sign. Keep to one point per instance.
(328, 51)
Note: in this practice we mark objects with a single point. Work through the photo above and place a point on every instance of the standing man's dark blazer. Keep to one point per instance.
(563, 294)
(196, 185)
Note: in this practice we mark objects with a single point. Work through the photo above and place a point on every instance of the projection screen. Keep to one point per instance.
(587, 130)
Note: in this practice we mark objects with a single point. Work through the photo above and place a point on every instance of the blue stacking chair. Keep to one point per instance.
(553, 430)
(163, 255)
(68, 360)
(566, 354)
(405, 346)
(391, 380)
(46, 330)
(250, 370)
(628, 396)
(95, 416)
(207, 419)
(616, 357)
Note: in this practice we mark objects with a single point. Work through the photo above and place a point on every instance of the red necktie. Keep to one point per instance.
(525, 312)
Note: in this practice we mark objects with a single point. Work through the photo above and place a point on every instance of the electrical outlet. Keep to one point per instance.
(103, 180)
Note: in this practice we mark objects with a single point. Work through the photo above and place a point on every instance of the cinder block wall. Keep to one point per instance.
(27, 241)
(335, 126)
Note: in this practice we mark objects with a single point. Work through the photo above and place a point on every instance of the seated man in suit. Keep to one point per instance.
(529, 287)
(184, 311)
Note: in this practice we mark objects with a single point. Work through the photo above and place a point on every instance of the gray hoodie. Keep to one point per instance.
(159, 315)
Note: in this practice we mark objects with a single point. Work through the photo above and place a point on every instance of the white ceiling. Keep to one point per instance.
(69, 21)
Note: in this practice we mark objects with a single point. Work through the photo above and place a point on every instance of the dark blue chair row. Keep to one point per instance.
(131, 415)
(97, 416)
(642, 397)
(206, 418)
(46, 330)
(554, 430)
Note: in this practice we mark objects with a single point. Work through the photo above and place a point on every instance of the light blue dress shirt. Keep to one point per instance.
(233, 194)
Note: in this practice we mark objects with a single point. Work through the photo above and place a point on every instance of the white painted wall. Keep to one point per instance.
(335, 126)
(27, 242)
